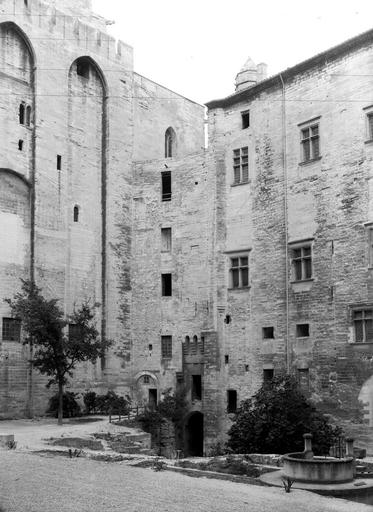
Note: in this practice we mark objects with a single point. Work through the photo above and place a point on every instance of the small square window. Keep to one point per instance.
(166, 285)
(146, 379)
(303, 330)
(166, 239)
(245, 117)
(11, 329)
(268, 333)
(268, 375)
(166, 347)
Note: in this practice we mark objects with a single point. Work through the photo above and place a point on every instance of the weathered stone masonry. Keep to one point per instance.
(66, 174)
(215, 268)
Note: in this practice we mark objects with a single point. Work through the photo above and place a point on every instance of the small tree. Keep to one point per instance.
(275, 419)
(54, 353)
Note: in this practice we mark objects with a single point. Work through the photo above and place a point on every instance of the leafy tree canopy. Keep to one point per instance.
(275, 419)
(54, 353)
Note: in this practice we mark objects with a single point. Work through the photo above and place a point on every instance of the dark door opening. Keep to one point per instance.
(194, 435)
(152, 398)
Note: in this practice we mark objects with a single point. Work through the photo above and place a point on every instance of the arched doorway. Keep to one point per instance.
(194, 435)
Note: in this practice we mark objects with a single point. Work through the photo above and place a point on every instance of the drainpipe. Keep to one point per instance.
(30, 380)
(284, 166)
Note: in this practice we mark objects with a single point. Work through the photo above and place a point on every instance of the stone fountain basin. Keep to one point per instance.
(322, 470)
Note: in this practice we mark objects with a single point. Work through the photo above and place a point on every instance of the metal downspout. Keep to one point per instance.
(284, 165)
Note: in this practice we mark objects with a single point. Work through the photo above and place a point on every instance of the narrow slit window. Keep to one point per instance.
(231, 401)
(166, 285)
(28, 115)
(245, 117)
(170, 138)
(196, 387)
(166, 239)
(76, 213)
(21, 114)
(20, 145)
(370, 125)
(166, 186)
(59, 162)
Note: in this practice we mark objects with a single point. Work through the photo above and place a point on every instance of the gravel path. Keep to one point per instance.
(32, 483)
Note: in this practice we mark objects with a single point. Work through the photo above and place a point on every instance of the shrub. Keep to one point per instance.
(89, 400)
(111, 403)
(275, 419)
(71, 407)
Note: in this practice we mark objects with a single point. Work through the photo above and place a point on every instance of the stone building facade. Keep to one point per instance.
(74, 116)
(216, 268)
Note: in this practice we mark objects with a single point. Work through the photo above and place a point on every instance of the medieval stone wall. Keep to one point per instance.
(328, 203)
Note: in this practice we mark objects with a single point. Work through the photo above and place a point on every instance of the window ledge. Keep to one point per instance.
(362, 343)
(310, 161)
(240, 288)
(240, 183)
(303, 281)
(303, 337)
(369, 141)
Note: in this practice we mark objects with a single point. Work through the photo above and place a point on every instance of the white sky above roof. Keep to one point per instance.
(196, 47)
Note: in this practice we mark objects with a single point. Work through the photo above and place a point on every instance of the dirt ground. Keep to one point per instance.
(34, 483)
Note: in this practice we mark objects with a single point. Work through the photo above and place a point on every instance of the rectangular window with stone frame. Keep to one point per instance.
(240, 165)
(363, 325)
(239, 271)
(301, 262)
(310, 143)
(166, 347)
(11, 329)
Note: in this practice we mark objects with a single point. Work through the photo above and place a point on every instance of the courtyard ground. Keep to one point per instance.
(31, 482)
(34, 483)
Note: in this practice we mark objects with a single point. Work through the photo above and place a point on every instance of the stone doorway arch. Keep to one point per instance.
(194, 435)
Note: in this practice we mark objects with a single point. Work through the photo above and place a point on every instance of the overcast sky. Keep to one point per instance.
(196, 47)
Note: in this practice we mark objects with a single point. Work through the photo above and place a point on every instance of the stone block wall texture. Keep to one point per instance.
(108, 125)
(328, 202)
(76, 153)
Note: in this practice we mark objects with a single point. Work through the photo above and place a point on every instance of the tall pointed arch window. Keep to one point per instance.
(170, 143)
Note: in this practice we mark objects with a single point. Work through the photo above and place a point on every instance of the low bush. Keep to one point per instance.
(71, 407)
(111, 403)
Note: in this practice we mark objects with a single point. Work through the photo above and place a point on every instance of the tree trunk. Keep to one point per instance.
(60, 402)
